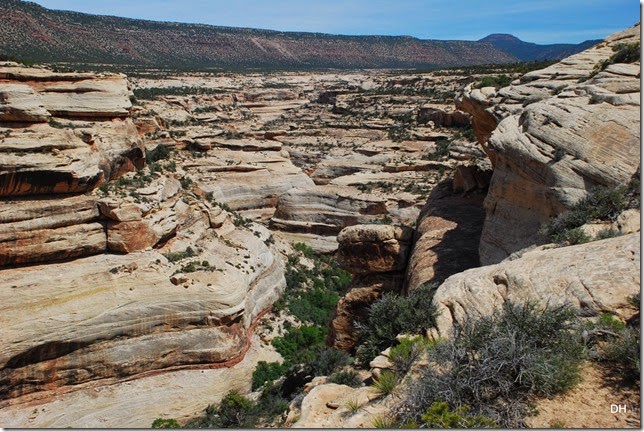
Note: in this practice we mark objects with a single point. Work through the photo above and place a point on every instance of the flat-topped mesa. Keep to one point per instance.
(552, 136)
(63, 133)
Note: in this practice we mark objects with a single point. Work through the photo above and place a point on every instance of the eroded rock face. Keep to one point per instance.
(89, 138)
(594, 277)
(560, 132)
(448, 233)
(377, 256)
(367, 249)
(117, 316)
(41, 230)
(325, 210)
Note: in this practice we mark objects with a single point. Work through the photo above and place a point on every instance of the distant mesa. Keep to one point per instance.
(527, 51)
(30, 32)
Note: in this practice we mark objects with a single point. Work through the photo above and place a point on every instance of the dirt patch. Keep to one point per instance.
(594, 403)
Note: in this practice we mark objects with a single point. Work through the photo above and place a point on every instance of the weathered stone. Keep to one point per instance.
(374, 248)
(594, 277)
(325, 210)
(19, 103)
(447, 235)
(49, 230)
(353, 307)
(555, 136)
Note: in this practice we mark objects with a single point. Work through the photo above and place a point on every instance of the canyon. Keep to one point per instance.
(147, 221)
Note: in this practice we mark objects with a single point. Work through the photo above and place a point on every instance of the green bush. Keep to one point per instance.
(347, 377)
(267, 372)
(620, 347)
(160, 423)
(497, 364)
(393, 315)
(439, 416)
(298, 345)
(497, 81)
(624, 53)
(600, 204)
(385, 383)
(403, 355)
(160, 152)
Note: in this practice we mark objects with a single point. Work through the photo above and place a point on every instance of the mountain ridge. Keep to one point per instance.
(32, 32)
(528, 51)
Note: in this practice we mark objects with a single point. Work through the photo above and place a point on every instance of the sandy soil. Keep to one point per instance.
(589, 405)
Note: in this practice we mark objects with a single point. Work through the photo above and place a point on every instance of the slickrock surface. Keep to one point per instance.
(325, 210)
(112, 316)
(560, 132)
(136, 403)
(89, 138)
(327, 406)
(594, 277)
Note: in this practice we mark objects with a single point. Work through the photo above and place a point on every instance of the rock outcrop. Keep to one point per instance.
(325, 210)
(449, 229)
(377, 256)
(594, 277)
(141, 276)
(552, 136)
(63, 133)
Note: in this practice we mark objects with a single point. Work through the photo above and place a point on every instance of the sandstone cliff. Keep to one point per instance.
(140, 276)
(553, 135)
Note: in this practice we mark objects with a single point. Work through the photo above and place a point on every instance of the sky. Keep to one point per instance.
(539, 21)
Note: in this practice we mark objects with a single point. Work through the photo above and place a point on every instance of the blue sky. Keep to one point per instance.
(540, 21)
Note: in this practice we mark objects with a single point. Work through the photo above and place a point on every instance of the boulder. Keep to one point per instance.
(374, 248)
(594, 277)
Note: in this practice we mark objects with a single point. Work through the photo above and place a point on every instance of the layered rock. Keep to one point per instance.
(594, 278)
(41, 230)
(377, 256)
(449, 229)
(68, 154)
(118, 316)
(560, 132)
(325, 210)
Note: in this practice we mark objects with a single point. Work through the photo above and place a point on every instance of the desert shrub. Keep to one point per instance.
(267, 372)
(497, 81)
(234, 411)
(385, 383)
(384, 422)
(160, 423)
(622, 353)
(619, 347)
(306, 250)
(395, 314)
(600, 204)
(160, 152)
(299, 343)
(329, 360)
(607, 233)
(347, 377)
(177, 256)
(439, 416)
(573, 236)
(441, 151)
(624, 53)
(496, 364)
(403, 355)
